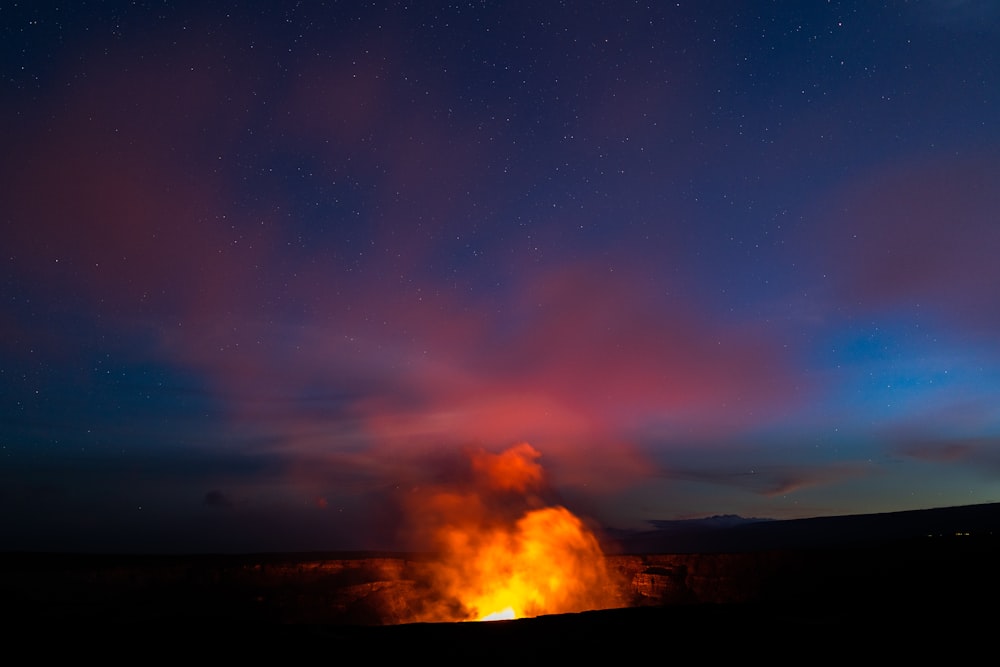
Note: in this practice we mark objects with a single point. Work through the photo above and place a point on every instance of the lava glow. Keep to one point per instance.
(504, 554)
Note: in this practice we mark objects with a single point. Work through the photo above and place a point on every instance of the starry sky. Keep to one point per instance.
(268, 267)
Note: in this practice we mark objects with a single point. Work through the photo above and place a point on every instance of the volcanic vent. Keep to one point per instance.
(502, 551)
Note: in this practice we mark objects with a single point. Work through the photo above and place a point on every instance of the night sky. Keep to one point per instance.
(267, 268)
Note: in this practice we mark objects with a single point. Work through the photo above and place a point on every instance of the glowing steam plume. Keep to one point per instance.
(504, 554)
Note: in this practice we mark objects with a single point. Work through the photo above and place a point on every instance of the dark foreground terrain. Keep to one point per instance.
(915, 591)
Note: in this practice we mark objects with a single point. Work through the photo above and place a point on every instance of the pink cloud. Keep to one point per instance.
(945, 451)
(118, 207)
(924, 233)
(771, 480)
(592, 352)
(587, 365)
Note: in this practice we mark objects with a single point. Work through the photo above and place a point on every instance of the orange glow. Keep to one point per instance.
(549, 563)
(512, 470)
(498, 564)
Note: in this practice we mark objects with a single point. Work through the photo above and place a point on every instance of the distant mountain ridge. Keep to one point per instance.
(713, 522)
(732, 533)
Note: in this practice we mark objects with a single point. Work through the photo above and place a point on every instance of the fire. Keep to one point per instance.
(505, 614)
(504, 555)
(549, 563)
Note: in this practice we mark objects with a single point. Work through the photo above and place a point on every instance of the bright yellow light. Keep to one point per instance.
(503, 615)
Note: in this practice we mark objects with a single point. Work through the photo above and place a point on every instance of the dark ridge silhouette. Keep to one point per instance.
(730, 533)
(902, 583)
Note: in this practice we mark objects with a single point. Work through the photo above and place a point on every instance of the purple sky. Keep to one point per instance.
(267, 269)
